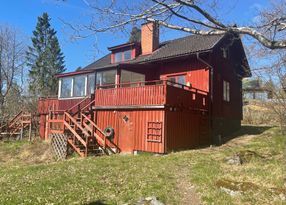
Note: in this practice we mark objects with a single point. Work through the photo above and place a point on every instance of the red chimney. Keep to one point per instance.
(149, 37)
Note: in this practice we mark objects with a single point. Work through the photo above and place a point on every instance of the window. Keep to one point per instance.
(122, 56)
(226, 91)
(127, 55)
(118, 57)
(130, 77)
(106, 78)
(224, 53)
(180, 79)
(66, 86)
(79, 86)
(91, 84)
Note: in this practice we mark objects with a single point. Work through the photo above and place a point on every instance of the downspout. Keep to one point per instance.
(211, 92)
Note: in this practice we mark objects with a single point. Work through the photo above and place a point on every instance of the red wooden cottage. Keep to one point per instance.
(151, 96)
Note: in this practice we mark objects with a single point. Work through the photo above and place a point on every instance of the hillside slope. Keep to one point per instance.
(209, 175)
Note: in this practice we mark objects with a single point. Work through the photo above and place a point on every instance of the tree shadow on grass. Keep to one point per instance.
(98, 202)
(253, 130)
(246, 130)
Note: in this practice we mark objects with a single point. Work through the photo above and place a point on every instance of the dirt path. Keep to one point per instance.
(186, 189)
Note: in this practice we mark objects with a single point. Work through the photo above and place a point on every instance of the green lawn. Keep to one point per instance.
(125, 179)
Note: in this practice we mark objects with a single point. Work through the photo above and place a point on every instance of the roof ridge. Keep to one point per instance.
(169, 49)
(188, 36)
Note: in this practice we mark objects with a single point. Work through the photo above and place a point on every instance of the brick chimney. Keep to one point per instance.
(149, 37)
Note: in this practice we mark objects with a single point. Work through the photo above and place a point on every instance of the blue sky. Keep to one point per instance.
(22, 15)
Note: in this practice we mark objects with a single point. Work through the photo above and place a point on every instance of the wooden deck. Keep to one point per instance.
(151, 94)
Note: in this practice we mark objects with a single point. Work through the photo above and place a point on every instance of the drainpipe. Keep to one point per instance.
(211, 92)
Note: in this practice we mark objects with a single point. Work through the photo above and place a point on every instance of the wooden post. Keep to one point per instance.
(92, 132)
(117, 78)
(21, 133)
(64, 119)
(30, 131)
(78, 111)
(86, 148)
(47, 127)
(81, 120)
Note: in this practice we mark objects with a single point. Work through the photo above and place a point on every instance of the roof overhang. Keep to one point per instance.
(81, 72)
(123, 46)
(60, 75)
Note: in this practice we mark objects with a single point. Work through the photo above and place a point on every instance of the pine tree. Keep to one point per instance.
(44, 58)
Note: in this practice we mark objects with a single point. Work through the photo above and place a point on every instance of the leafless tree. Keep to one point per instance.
(273, 76)
(192, 16)
(11, 63)
(270, 66)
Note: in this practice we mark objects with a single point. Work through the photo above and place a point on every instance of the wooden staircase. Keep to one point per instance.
(83, 135)
(16, 125)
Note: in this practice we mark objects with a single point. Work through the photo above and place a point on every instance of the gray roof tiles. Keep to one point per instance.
(169, 49)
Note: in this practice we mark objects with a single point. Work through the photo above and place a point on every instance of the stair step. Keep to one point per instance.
(93, 145)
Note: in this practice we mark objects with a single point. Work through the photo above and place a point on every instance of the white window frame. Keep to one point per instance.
(72, 86)
(88, 91)
(226, 91)
(85, 85)
(60, 88)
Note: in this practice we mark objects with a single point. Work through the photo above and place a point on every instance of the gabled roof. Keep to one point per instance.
(105, 61)
(169, 49)
(181, 47)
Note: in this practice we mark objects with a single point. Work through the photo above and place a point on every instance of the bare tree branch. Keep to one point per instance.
(270, 33)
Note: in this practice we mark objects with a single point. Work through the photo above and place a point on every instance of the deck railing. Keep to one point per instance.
(47, 104)
(126, 94)
(160, 92)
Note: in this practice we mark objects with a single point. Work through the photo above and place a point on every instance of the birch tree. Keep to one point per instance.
(12, 52)
(191, 16)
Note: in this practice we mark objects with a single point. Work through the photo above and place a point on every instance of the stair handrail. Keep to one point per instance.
(77, 105)
(76, 123)
(5, 125)
(105, 138)
(12, 121)
(66, 114)
(88, 105)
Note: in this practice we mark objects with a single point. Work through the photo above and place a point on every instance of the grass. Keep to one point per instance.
(125, 179)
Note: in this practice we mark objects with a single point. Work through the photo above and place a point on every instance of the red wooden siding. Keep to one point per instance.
(199, 79)
(46, 104)
(144, 129)
(196, 73)
(159, 94)
(66, 104)
(186, 129)
(142, 95)
(42, 125)
(193, 98)
(225, 70)
(131, 134)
